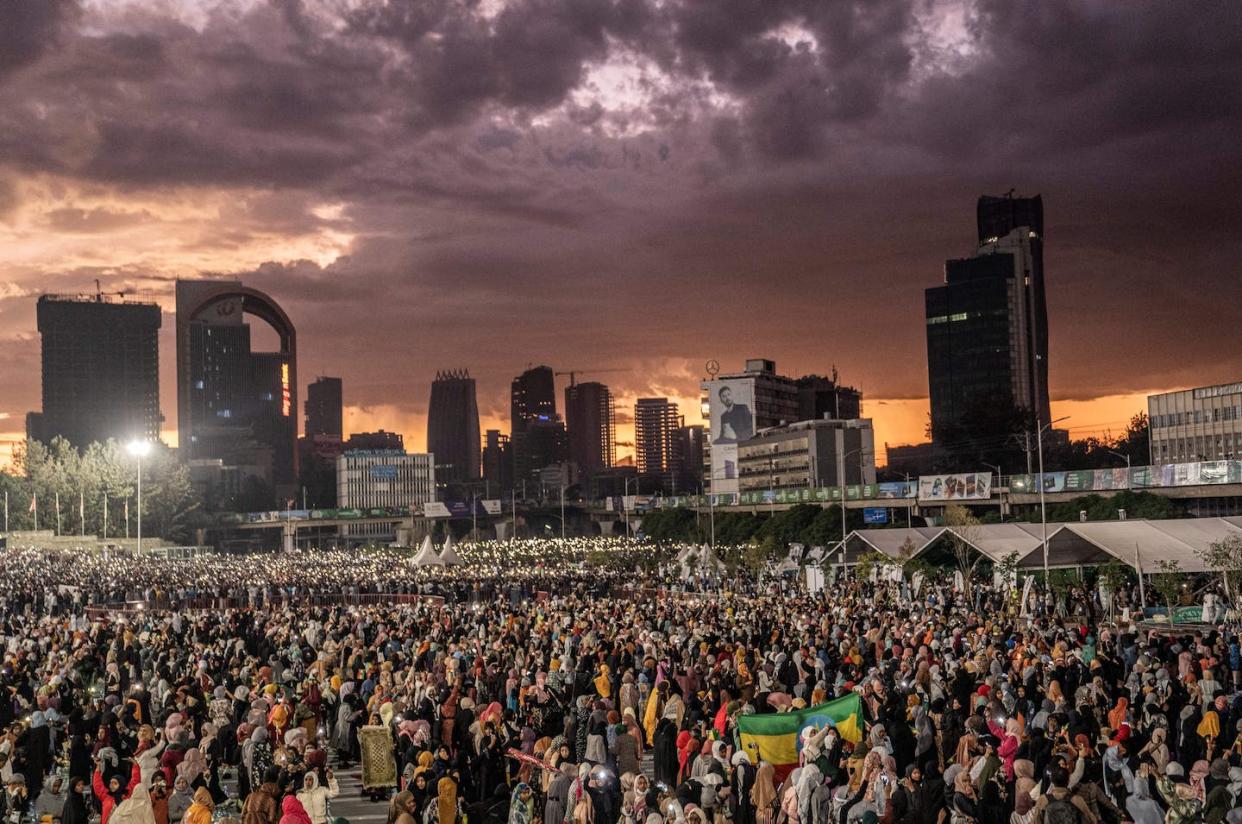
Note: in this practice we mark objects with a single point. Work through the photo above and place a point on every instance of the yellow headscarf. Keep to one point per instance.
(651, 716)
(1210, 725)
(602, 685)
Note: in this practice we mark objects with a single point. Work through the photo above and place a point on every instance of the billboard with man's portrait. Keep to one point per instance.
(731, 405)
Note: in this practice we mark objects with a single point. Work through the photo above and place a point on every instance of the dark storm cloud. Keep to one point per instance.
(27, 30)
(776, 177)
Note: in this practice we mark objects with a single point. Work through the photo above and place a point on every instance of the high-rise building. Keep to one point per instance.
(371, 441)
(532, 400)
(591, 423)
(101, 368)
(692, 441)
(324, 408)
(656, 443)
(453, 426)
(497, 464)
(820, 397)
(987, 326)
(545, 443)
(533, 396)
(234, 403)
(737, 405)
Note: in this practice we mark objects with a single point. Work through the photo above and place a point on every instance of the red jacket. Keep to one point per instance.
(105, 798)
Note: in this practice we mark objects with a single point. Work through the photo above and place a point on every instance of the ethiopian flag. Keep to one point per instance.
(777, 737)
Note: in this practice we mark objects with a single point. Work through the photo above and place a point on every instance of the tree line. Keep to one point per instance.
(96, 487)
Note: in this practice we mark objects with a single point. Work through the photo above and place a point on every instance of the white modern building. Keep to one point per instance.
(384, 478)
(808, 454)
(1203, 424)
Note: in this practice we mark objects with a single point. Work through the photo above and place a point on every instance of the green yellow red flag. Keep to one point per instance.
(777, 737)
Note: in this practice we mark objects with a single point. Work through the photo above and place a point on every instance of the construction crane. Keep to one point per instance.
(100, 294)
(573, 373)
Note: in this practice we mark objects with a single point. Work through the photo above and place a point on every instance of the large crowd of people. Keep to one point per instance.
(581, 681)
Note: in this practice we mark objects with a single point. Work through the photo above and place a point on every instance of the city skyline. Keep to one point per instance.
(642, 187)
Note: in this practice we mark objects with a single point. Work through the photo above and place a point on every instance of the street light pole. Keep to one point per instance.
(625, 505)
(1043, 510)
(562, 508)
(998, 483)
(1129, 482)
(841, 481)
(139, 449)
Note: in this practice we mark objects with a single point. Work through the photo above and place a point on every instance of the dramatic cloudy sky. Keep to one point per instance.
(635, 185)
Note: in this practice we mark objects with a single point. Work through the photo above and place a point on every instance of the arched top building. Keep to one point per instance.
(233, 403)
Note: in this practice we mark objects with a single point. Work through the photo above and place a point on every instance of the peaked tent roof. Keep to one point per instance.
(997, 541)
(426, 555)
(886, 541)
(449, 556)
(1181, 540)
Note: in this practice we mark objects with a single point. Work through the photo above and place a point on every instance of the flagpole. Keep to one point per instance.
(34, 506)
(127, 519)
(58, 513)
(6, 511)
(105, 518)
(82, 512)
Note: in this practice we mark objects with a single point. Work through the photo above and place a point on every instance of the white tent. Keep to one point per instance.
(426, 555)
(449, 556)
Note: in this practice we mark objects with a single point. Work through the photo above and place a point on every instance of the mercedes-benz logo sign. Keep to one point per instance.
(713, 366)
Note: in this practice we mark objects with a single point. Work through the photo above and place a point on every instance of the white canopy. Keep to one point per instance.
(449, 556)
(426, 555)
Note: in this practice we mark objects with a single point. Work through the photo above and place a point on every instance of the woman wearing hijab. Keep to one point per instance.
(522, 805)
(763, 794)
(38, 751)
(137, 809)
(1209, 731)
(446, 801)
(315, 797)
(292, 811)
(1157, 749)
(75, 811)
(180, 799)
(965, 801)
(603, 682)
(1143, 809)
(403, 808)
(1024, 790)
(556, 809)
(666, 751)
(200, 811)
(1119, 714)
(114, 792)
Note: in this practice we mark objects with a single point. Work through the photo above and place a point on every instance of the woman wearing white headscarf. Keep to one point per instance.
(136, 809)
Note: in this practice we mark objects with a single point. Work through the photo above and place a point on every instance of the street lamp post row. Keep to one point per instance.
(1043, 510)
(139, 449)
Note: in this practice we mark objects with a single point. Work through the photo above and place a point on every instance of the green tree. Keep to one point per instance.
(168, 498)
(1111, 576)
(825, 528)
(964, 531)
(1225, 556)
(1169, 582)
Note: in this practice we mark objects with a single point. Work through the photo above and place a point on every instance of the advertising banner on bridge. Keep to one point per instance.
(966, 486)
(897, 489)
